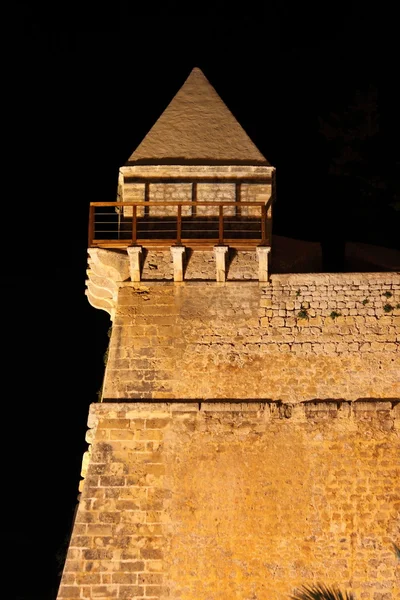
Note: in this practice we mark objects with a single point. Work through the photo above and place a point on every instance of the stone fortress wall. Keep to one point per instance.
(228, 501)
(247, 438)
(299, 337)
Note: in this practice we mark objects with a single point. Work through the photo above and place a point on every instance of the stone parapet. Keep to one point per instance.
(370, 279)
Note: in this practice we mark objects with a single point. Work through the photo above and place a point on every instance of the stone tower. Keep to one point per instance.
(247, 438)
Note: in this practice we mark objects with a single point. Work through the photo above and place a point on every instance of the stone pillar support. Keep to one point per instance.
(135, 255)
(220, 253)
(178, 253)
(263, 261)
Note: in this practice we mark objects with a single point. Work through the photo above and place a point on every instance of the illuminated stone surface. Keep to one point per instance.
(247, 442)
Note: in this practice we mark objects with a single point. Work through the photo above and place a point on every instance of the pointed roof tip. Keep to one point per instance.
(193, 72)
(197, 127)
(196, 70)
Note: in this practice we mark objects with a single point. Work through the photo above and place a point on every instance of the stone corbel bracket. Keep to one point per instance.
(263, 254)
(106, 270)
(220, 253)
(178, 254)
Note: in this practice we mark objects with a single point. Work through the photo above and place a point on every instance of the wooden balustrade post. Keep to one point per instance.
(221, 225)
(91, 225)
(134, 225)
(263, 225)
(179, 225)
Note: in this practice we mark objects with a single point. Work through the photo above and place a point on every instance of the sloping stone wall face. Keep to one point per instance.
(300, 337)
(237, 501)
(247, 442)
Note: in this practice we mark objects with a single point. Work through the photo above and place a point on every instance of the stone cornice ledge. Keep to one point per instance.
(385, 411)
(369, 417)
(174, 171)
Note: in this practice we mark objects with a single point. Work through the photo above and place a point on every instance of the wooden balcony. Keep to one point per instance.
(200, 225)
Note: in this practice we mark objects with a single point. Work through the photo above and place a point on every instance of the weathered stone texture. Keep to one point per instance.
(205, 192)
(132, 192)
(164, 192)
(211, 192)
(157, 265)
(254, 193)
(242, 265)
(237, 501)
(298, 338)
(200, 264)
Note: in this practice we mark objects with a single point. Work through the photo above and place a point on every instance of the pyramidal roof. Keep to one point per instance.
(197, 128)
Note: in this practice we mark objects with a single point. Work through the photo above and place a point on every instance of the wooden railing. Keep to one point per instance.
(122, 224)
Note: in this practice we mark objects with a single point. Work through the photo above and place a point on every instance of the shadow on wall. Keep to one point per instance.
(298, 256)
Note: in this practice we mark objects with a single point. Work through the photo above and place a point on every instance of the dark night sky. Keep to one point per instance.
(81, 91)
